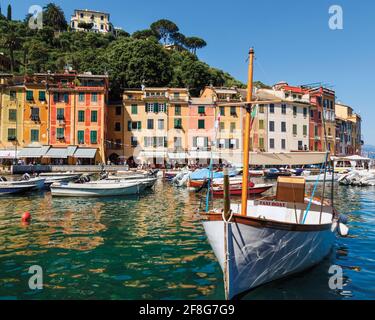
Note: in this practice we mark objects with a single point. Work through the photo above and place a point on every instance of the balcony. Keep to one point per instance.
(35, 118)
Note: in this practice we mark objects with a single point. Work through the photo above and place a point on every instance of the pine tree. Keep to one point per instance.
(9, 13)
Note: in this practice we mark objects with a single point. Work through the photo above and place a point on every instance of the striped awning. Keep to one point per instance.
(57, 153)
(8, 154)
(85, 153)
(33, 152)
(202, 155)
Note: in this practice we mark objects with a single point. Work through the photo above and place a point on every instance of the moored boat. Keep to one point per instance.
(14, 189)
(36, 183)
(97, 189)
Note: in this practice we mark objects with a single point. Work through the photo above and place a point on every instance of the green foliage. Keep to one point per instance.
(129, 61)
(85, 25)
(54, 17)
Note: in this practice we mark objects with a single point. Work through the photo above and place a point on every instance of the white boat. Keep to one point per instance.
(36, 183)
(59, 177)
(14, 189)
(320, 177)
(96, 189)
(259, 241)
(358, 178)
(148, 182)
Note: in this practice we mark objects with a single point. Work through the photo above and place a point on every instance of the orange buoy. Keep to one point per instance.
(26, 217)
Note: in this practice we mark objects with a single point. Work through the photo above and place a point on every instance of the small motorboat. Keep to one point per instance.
(97, 189)
(218, 182)
(256, 173)
(235, 190)
(26, 180)
(274, 173)
(320, 177)
(148, 182)
(59, 177)
(11, 189)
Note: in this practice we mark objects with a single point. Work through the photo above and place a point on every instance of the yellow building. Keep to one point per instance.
(229, 141)
(99, 21)
(35, 114)
(11, 116)
(114, 144)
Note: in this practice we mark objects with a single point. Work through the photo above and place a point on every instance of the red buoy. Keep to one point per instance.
(26, 217)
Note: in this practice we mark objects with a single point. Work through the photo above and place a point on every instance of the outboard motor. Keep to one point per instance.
(25, 177)
(104, 175)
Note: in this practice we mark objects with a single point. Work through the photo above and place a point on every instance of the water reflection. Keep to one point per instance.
(155, 248)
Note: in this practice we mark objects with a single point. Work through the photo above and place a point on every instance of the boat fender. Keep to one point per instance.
(342, 229)
(26, 217)
(343, 219)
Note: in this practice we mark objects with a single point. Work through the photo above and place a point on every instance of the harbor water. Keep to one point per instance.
(154, 247)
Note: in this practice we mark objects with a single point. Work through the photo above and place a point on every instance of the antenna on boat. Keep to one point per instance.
(246, 154)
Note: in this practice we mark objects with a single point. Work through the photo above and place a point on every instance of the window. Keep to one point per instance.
(93, 137)
(232, 127)
(283, 144)
(117, 126)
(94, 116)
(13, 95)
(66, 97)
(316, 131)
(201, 110)
(150, 124)
(149, 107)
(261, 124)
(300, 145)
(272, 108)
(42, 96)
(329, 131)
(102, 18)
(283, 108)
(283, 126)
(177, 142)
(12, 115)
(305, 112)
(81, 137)
(118, 111)
(320, 115)
(162, 107)
(261, 143)
(134, 125)
(233, 111)
(161, 124)
(295, 129)
(286, 95)
(12, 136)
(305, 130)
(272, 143)
(102, 27)
(60, 133)
(232, 143)
(60, 114)
(311, 113)
(261, 108)
(272, 126)
(81, 116)
(201, 124)
(177, 110)
(118, 144)
(134, 142)
(222, 111)
(34, 134)
(221, 126)
(176, 95)
(29, 95)
(134, 109)
(295, 111)
(178, 123)
(81, 97)
(35, 114)
(94, 98)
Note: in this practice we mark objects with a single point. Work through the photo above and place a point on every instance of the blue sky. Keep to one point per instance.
(292, 39)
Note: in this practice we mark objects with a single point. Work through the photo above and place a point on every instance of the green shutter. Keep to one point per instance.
(129, 126)
(94, 116)
(156, 107)
(81, 137)
(66, 98)
(139, 125)
(29, 96)
(81, 116)
(42, 96)
(34, 135)
(93, 137)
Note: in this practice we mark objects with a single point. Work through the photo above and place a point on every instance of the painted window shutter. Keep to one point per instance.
(139, 125)
(194, 142)
(66, 98)
(205, 142)
(227, 142)
(55, 97)
(129, 126)
(156, 107)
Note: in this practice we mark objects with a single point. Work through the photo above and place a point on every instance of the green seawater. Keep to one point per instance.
(154, 247)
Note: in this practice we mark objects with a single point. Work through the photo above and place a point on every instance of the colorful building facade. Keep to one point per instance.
(100, 21)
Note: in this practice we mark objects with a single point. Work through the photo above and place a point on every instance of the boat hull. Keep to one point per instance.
(92, 190)
(258, 255)
(9, 190)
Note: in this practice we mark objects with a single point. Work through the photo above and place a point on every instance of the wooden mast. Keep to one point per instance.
(246, 149)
